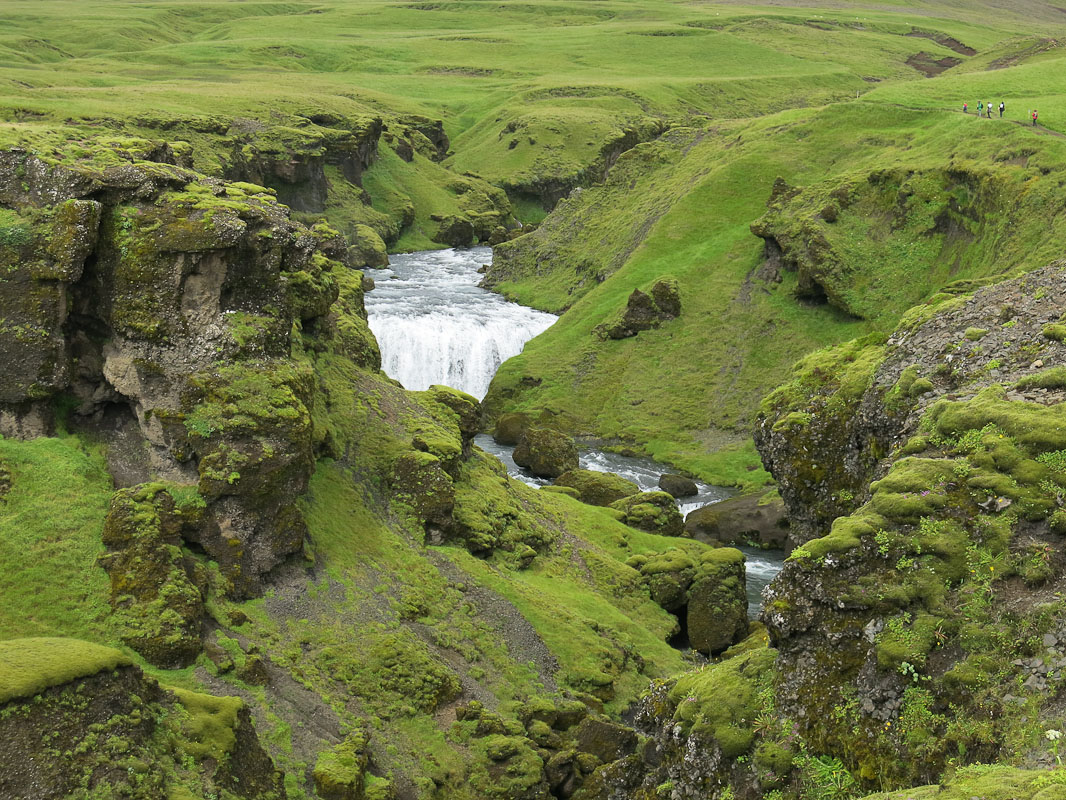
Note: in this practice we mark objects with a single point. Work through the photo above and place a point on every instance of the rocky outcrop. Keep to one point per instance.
(702, 738)
(148, 293)
(645, 311)
(597, 488)
(952, 536)
(293, 160)
(744, 520)
(123, 734)
(546, 452)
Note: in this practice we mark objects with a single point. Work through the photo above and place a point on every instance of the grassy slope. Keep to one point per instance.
(51, 522)
(706, 370)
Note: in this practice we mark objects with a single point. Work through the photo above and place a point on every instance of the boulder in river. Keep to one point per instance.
(545, 452)
(597, 488)
(655, 512)
(717, 601)
(510, 427)
(455, 231)
(747, 519)
(677, 485)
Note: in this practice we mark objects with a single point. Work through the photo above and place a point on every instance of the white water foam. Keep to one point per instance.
(435, 325)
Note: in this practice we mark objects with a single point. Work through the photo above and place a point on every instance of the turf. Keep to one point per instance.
(29, 666)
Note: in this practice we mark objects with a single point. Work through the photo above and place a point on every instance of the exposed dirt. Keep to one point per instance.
(931, 66)
(943, 40)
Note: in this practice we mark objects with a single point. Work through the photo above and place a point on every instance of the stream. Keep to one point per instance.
(435, 325)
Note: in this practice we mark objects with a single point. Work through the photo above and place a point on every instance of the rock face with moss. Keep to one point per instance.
(922, 620)
(698, 726)
(157, 591)
(160, 303)
(113, 730)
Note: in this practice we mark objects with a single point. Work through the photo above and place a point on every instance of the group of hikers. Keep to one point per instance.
(985, 110)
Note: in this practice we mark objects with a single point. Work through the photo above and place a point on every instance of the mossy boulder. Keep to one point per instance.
(546, 452)
(455, 231)
(597, 488)
(420, 481)
(340, 772)
(748, 519)
(367, 248)
(510, 427)
(655, 512)
(466, 408)
(668, 574)
(677, 485)
(717, 601)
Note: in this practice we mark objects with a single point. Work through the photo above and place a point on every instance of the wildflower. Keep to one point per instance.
(1052, 735)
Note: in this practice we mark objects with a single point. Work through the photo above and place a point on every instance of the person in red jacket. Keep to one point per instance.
(1034, 117)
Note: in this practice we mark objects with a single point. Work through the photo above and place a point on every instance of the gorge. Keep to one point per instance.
(396, 400)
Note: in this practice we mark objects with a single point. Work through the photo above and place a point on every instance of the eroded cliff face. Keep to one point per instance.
(924, 623)
(158, 304)
(118, 730)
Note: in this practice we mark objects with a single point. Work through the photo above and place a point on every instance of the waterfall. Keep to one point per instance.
(434, 325)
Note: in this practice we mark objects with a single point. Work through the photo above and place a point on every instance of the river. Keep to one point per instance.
(435, 325)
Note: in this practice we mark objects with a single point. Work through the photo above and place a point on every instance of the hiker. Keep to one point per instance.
(980, 107)
(965, 108)
(1034, 117)
(1001, 107)
(988, 110)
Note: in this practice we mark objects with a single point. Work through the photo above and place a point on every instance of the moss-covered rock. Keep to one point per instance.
(606, 740)
(367, 248)
(340, 773)
(546, 452)
(597, 488)
(510, 427)
(748, 519)
(717, 601)
(645, 311)
(95, 722)
(158, 604)
(655, 512)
